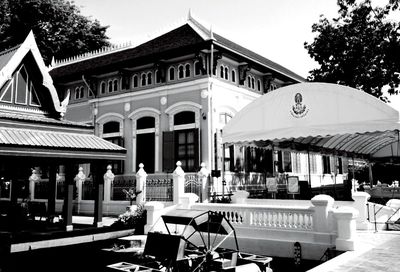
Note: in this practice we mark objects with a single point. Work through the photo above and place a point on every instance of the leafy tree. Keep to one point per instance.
(360, 48)
(59, 28)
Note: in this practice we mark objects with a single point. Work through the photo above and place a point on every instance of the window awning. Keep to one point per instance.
(318, 117)
(41, 143)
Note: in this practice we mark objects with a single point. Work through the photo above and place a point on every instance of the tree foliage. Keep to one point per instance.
(59, 28)
(360, 48)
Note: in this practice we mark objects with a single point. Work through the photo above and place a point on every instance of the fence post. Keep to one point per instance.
(108, 179)
(32, 179)
(203, 176)
(141, 176)
(79, 179)
(346, 228)
(178, 182)
(360, 204)
(322, 206)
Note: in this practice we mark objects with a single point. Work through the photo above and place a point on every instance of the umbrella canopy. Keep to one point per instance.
(317, 115)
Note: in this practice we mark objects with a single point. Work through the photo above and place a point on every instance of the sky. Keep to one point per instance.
(275, 29)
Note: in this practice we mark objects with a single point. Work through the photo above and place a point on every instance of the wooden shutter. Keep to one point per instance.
(168, 152)
(197, 149)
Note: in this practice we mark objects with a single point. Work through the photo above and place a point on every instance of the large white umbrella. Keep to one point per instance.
(317, 116)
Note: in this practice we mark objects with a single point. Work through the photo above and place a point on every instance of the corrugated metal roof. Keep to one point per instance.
(51, 139)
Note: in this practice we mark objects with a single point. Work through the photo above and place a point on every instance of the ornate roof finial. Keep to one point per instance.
(211, 33)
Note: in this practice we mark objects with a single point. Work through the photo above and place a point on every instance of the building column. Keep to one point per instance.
(68, 197)
(51, 200)
(98, 180)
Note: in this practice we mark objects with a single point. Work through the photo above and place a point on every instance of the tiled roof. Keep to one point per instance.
(51, 139)
(40, 119)
(189, 35)
(6, 55)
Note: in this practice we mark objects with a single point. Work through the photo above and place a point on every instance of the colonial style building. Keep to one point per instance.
(167, 99)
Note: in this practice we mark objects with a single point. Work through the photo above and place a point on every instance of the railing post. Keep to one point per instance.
(153, 212)
(108, 179)
(178, 182)
(346, 228)
(322, 206)
(203, 176)
(80, 179)
(141, 176)
(360, 204)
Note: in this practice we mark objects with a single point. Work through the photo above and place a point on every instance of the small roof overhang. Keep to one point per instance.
(318, 117)
(40, 143)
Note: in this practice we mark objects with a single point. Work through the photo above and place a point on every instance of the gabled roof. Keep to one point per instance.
(188, 36)
(10, 60)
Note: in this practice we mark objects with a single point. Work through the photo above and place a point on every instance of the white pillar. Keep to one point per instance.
(203, 176)
(322, 205)
(153, 212)
(108, 179)
(178, 182)
(346, 228)
(80, 179)
(360, 204)
(141, 184)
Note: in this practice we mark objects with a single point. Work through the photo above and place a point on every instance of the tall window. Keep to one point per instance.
(171, 73)
(187, 70)
(258, 85)
(102, 87)
(233, 76)
(226, 73)
(79, 92)
(145, 142)
(110, 86)
(158, 76)
(326, 164)
(135, 81)
(181, 72)
(112, 133)
(115, 85)
(221, 71)
(149, 78)
(197, 68)
(143, 80)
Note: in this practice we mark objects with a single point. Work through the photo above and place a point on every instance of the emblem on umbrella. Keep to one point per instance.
(298, 110)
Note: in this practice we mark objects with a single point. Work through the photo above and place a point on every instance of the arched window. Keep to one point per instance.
(102, 87)
(158, 76)
(111, 127)
(226, 73)
(171, 73)
(79, 91)
(233, 76)
(143, 80)
(115, 85)
(259, 85)
(184, 117)
(110, 86)
(187, 70)
(197, 68)
(224, 118)
(135, 81)
(252, 83)
(149, 78)
(145, 142)
(221, 71)
(248, 82)
(181, 72)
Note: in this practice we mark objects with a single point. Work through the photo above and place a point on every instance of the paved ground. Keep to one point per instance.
(375, 252)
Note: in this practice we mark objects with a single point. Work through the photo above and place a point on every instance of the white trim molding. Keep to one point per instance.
(108, 117)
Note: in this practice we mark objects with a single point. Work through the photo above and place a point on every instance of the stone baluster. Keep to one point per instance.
(178, 183)
(141, 176)
(108, 180)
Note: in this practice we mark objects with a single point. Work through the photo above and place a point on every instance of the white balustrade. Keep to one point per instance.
(263, 216)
